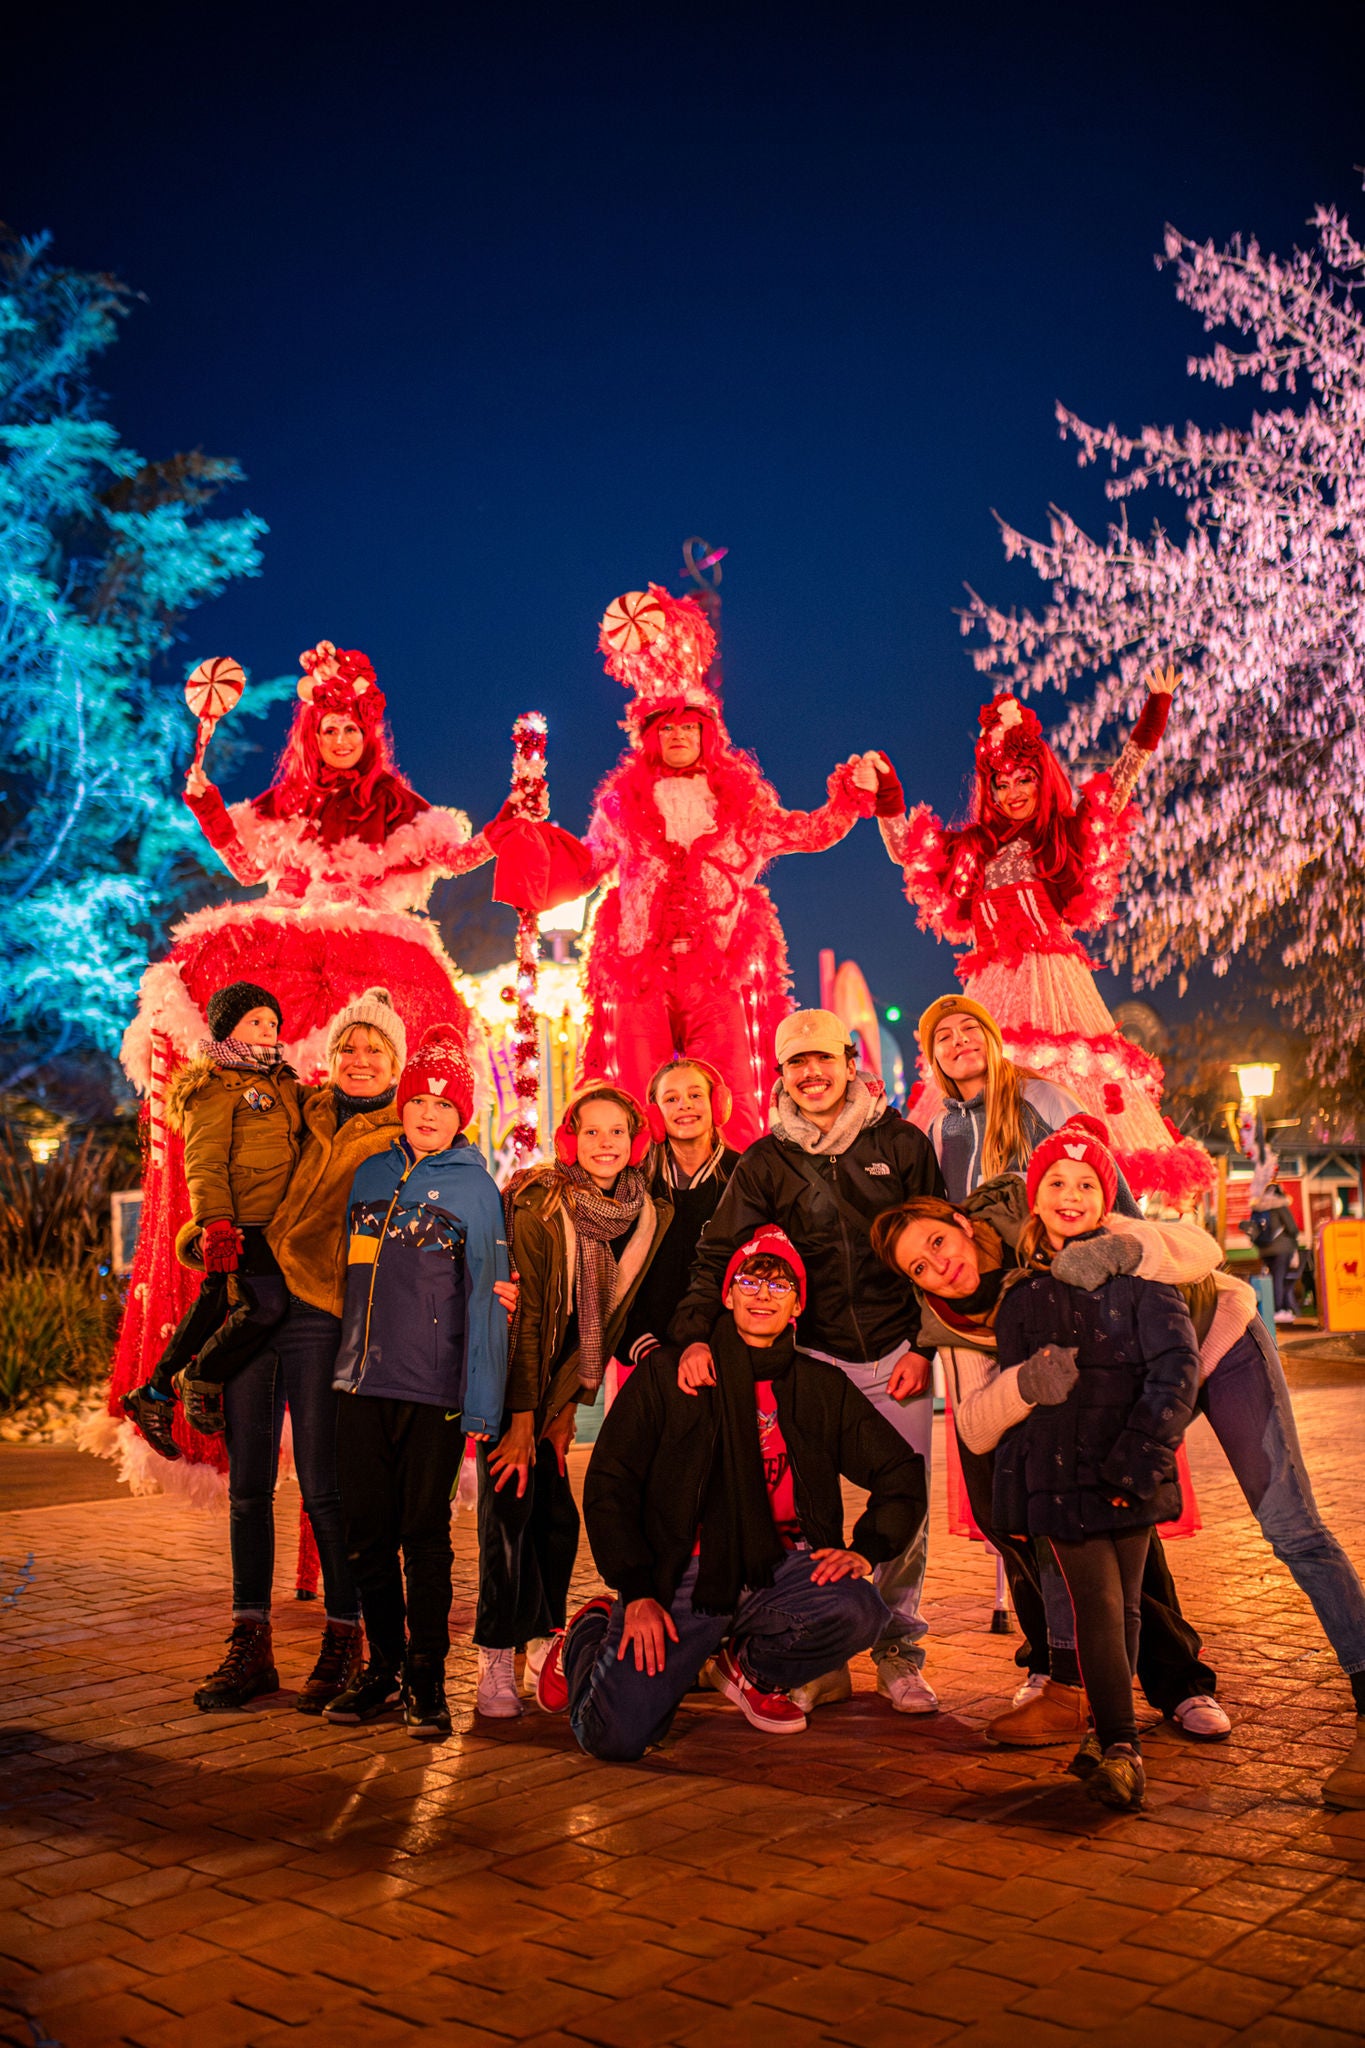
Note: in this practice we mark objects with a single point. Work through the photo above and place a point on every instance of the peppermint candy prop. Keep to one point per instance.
(212, 690)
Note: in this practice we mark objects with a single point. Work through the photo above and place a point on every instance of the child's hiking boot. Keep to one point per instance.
(1118, 1779)
(340, 1662)
(247, 1670)
(153, 1416)
(1087, 1757)
(376, 1690)
(203, 1400)
(425, 1713)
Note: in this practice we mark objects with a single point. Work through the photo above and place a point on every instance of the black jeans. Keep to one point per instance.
(1017, 1554)
(229, 1319)
(398, 1462)
(294, 1367)
(1104, 1578)
(527, 1552)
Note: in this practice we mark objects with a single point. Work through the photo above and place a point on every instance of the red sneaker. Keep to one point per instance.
(552, 1687)
(774, 1712)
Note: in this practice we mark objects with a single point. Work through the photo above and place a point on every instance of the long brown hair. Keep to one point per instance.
(1005, 1144)
(887, 1228)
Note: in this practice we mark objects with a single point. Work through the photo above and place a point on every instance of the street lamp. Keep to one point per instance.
(1256, 1079)
(562, 925)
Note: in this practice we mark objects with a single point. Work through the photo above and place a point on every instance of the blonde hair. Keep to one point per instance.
(385, 1043)
(1005, 1141)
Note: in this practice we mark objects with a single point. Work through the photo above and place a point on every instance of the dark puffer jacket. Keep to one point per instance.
(1057, 1472)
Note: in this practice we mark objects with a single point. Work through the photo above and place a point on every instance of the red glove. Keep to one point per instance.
(890, 795)
(221, 1244)
(1152, 721)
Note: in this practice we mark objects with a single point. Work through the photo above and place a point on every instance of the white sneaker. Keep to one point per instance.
(1036, 1682)
(498, 1696)
(825, 1691)
(908, 1690)
(537, 1650)
(1285, 1315)
(1203, 1718)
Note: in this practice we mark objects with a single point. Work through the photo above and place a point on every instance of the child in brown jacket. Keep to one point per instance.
(239, 1107)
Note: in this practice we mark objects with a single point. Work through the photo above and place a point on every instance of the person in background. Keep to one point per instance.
(719, 1521)
(995, 1113)
(422, 1365)
(582, 1233)
(1113, 1376)
(836, 1156)
(687, 1105)
(1274, 1230)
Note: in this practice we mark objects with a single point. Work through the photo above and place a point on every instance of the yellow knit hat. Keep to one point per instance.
(950, 1006)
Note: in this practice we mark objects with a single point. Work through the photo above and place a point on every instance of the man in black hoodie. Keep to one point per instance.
(718, 1518)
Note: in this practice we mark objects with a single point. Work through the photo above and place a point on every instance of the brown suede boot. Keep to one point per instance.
(1346, 1786)
(1055, 1713)
(247, 1670)
(339, 1665)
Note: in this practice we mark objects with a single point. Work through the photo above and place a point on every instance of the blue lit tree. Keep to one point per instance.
(102, 555)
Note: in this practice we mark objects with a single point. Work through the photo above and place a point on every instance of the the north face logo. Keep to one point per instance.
(879, 1166)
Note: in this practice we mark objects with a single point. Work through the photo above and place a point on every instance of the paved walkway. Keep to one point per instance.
(171, 1879)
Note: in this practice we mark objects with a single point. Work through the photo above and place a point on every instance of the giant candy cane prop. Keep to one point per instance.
(529, 799)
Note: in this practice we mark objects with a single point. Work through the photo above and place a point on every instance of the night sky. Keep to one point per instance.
(496, 305)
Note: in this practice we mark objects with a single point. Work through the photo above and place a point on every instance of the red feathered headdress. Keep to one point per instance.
(660, 647)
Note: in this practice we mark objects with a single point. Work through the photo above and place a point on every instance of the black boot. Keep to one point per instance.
(203, 1401)
(339, 1665)
(247, 1670)
(376, 1691)
(425, 1713)
(154, 1419)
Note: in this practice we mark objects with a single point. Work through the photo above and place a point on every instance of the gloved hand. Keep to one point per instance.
(221, 1243)
(1048, 1377)
(890, 795)
(1089, 1261)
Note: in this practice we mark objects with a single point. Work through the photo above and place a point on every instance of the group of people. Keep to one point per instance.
(739, 1244)
(765, 1321)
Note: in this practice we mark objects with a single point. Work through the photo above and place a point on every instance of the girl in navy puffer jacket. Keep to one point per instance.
(1114, 1372)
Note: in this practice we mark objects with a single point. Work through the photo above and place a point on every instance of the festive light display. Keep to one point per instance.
(1254, 841)
(529, 799)
(102, 554)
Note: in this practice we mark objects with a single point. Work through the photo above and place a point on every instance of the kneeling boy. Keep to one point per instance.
(719, 1520)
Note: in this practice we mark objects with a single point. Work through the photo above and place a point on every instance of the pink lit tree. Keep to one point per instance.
(1251, 842)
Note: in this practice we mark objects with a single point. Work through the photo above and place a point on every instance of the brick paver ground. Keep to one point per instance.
(168, 1878)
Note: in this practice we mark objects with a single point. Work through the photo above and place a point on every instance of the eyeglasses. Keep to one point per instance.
(750, 1284)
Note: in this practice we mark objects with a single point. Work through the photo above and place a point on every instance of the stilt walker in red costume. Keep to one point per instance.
(1034, 866)
(686, 954)
(348, 852)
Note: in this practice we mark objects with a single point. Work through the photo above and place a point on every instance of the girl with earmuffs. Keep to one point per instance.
(687, 1106)
(582, 1234)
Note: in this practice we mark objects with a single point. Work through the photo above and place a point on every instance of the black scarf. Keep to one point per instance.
(347, 1106)
(740, 1545)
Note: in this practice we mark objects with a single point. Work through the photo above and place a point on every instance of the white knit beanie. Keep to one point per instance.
(373, 1006)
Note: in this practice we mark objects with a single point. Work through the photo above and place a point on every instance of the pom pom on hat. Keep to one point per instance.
(373, 1006)
(440, 1066)
(227, 1007)
(1084, 1139)
(768, 1242)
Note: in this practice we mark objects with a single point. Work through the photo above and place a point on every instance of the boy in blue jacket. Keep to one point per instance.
(422, 1366)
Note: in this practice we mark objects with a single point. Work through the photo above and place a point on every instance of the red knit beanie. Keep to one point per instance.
(768, 1242)
(440, 1066)
(1083, 1138)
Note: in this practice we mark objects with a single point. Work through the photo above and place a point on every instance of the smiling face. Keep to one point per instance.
(1016, 792)
(684, 1102)
(762, 1299)
(364, 1064)
(1069, 1201)
(817, 1082)
(258, 1027)
(679, 742)
(959, 1048)
(430, 1123)
(940, 1257)
(604, 1140)
(340, 740)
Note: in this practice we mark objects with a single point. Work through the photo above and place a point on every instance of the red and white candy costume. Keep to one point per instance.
(347, 857)
(1016, 894)
(686, 953)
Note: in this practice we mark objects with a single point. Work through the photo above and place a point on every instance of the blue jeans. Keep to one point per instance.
(295, 1367)
(900, 1581)
(1246, 1399)
(783, 1635)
